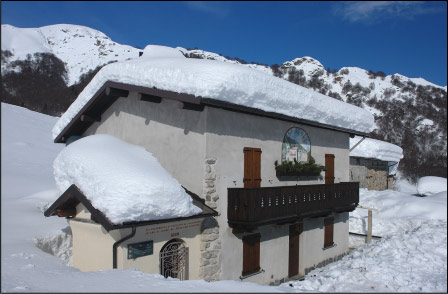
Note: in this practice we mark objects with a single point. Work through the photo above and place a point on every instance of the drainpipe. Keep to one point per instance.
(359, 142)
(116, 244)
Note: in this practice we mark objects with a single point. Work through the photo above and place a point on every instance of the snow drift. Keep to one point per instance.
(122, 180)
(431, 185)
(165, 68)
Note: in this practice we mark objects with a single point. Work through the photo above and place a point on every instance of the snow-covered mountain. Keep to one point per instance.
(409, 112)
(80, 48)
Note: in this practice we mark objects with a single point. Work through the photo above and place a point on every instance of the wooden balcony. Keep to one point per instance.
(249, 208)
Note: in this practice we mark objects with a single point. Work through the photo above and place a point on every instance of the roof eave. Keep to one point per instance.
(73, 193)
(107, 95)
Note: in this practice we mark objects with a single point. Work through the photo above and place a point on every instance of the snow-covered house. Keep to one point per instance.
(374, 163)
(219, 129)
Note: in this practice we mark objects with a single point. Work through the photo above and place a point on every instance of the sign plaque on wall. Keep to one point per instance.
(140, 249)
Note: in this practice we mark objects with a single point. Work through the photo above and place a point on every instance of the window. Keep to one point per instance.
(328, 231)
(251, 254)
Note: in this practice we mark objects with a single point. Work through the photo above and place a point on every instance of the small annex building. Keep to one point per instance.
(268, 160)
(125, 210)
(374, 163)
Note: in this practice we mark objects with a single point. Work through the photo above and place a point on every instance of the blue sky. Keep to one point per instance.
(409, 38)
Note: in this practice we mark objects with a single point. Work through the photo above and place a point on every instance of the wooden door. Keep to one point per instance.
(252, 167)
(328, 231)
(294, 237)
(251, 254)
(329, 163)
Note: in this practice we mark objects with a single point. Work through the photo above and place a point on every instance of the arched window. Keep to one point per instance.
(174, 259)
(296, 145)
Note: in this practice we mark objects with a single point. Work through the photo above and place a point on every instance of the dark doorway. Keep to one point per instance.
(294, 238)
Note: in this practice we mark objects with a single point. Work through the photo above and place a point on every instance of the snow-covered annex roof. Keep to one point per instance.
(121, 180)
(372, 148)
(167, 69)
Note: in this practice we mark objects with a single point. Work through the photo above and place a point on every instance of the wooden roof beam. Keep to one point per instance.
(71, 212)
(149, 98)
(190, 106)
(115, 92)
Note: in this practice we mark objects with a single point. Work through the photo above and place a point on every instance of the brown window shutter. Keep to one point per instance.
(257, 167)
(328, 231)
(251, 254)
(252, 167)
(329, 163)
(247, 170)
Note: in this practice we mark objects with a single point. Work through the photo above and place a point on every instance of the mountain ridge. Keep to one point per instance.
(409, 112)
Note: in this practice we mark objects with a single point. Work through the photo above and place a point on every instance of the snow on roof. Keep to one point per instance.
(122, 180)
(371, 148)
(222, 81)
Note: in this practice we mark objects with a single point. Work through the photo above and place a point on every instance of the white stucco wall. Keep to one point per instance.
(174, 136)
(93, 245)
(182, 139)
(160, 234)
(312, 252)
(227, 135)
(274, 249)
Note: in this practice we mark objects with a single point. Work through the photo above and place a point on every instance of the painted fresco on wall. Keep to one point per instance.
(296, 145)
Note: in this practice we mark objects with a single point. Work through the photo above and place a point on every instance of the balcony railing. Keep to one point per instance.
(252, 207)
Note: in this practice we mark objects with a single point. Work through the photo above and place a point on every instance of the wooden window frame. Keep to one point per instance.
(328, 232)
(251, 254)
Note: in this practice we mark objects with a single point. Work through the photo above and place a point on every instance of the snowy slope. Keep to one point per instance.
(411, 257)
(80, 48)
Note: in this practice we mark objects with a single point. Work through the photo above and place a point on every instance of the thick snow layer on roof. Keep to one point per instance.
(431, 185)
(122, 180)
(371, 148)
(222, 81)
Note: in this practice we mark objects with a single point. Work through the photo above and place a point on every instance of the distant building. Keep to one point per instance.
(374, 163)
(269, 227)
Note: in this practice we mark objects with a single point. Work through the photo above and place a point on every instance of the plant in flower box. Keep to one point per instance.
(297, 169)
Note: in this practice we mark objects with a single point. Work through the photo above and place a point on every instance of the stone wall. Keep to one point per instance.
(210, 247)
(370, 173)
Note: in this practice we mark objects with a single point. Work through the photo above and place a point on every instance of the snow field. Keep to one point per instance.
(411, 261)
(411, 256)
(397, 211)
